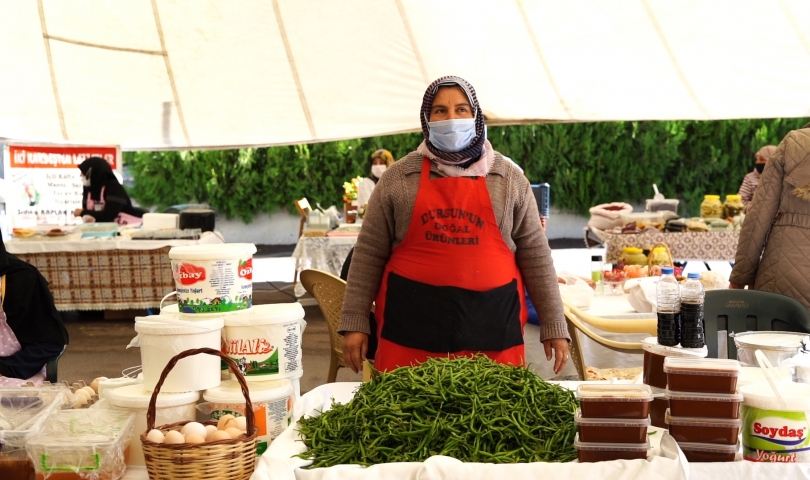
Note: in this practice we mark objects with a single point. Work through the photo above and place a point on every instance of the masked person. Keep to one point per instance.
(450, 237)
(751, 180)
(103, 197)
(380, 161)
(31, 330)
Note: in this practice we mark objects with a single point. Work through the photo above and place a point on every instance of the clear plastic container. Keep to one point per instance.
(654, 355)
(87, 444)
(733, 206)
(705, 375)
(711, 207)
(633, 256)
(643, 219)
(723, 431)
(709, 452)
(614, 401)
(603, 452)
(610, 430)
(706, 405)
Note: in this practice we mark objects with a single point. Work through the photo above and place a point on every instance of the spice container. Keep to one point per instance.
(654, 355)
(603, 452)
(706, 405)
(724, 431)
(707, 375)
(614, 401)
(709, 452)
(609, 430)
(733, 206)
(90, 443)
(711, 207)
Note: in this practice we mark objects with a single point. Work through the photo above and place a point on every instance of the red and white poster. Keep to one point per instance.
(42, 182)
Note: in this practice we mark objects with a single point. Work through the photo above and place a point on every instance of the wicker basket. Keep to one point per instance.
(224, 459)
(650, 256)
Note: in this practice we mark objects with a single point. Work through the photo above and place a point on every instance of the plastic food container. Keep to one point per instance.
(658, 411)
(603, 452)
(709, 452)
(777, 346)
(614, 401)
(609, 430)
(723, 431)
(272, 406)
(171, 408)
(82, 444)
(706, 405)
(643, 219)
(707, 375)
(654, 355)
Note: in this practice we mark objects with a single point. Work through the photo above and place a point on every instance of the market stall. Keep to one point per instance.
(325, 253)
(702, 246)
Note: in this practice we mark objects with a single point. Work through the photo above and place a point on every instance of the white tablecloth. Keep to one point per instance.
(321, 253)
(95, 244)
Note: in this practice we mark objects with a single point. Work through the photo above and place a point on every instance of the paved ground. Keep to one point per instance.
(98, 345)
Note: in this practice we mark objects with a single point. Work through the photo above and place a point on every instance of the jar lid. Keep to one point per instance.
(651, 345)
(712, 367)
(709, 447)
(596, 258)
(703, 422)
(610, 422)
(614, 393)
(137, 396)
(704, 397)
(611, 447)
(632, 250)
(733, 198)
(230, 391)
(711, 197)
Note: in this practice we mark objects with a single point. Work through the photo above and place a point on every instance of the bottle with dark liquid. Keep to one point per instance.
(669, 308)
(692, 300)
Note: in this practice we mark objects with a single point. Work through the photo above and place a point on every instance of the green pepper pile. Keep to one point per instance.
(471, 409)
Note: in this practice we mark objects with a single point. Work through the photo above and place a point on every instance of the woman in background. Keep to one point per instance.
(380, 161)
(104, 198)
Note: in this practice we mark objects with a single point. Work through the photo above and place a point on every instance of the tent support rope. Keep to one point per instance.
(170, 74)
(412, 39)
(56, 98)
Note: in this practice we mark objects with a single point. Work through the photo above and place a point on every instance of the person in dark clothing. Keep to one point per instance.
(31, 330)
(104, 198)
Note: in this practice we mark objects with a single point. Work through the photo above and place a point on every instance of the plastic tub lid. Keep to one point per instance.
(614, 393)
(713, 367)
(786, 341)
(266, 314)
(172, 325)
(611, 447)
(136, 396)
(610, 422)
(229, 391)
(212, 252)
(705, 397)
(709, 447)
(711, 197)
(733, 197)
(703, 422)
(651, 345)
(759, 395)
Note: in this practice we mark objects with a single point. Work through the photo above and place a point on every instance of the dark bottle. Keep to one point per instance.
(692, 301)
(669, 309)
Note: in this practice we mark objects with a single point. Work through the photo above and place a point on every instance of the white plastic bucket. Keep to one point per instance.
(162, 337)
(171, 408)
(272, 406)
(771, 433)
(106, 386)
(213, 278)
(265, 341)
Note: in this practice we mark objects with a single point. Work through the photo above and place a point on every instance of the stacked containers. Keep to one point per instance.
(704, 407)
(612, 422)
(654, 376)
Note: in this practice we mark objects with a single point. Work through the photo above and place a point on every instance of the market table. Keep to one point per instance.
(105, 274)
(321, 253)
(702, 246)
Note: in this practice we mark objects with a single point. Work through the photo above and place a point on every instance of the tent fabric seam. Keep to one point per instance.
(412, 39)
(792, 20)
(105, 47)
(169, 73)
(55, 87)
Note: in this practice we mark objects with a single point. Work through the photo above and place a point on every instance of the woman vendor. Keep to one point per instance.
(380, 161)
(104, 198)
(450, 237)
(31, 330)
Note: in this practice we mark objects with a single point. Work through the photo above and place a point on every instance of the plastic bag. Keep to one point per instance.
(608, 215)
(575, 290)
(642, 294)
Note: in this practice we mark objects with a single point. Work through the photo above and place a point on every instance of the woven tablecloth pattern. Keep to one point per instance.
(684, 246)
(106, 279)
(321, 253)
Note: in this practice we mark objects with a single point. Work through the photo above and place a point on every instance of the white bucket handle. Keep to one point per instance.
(167, 296)
(173, 321)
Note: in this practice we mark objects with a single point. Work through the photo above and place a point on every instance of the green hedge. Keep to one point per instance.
(585, 163)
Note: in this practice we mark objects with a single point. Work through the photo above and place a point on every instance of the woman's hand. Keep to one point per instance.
(734, 286)
(355, 347)
(77, 212)
(560, 347)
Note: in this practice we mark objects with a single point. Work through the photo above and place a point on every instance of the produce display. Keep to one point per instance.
(471, 409)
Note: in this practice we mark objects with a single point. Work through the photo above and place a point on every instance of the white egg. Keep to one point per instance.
(226, 422)
(194, 438)
(174, 437)
(95, 383)
(234, 432)
(89, 391)
(209, 430)
(155, 436)
(241, 423)
(219, 435)
(80, 401)
(194, 428)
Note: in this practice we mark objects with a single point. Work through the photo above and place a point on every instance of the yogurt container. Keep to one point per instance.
(213, 278)
(771, 432)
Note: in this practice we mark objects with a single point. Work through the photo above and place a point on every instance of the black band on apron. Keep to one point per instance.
(451, 319)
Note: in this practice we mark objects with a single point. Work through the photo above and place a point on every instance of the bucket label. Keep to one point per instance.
(775, 436)
(265, 350)
(271, 418)
(214, 286)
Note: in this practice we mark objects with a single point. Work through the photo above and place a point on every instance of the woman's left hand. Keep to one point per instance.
(560, 347)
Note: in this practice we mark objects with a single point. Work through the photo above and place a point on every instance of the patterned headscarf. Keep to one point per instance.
(385, 155)
(473, 152)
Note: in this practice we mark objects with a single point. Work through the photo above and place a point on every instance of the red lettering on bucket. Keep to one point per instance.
(188, 274)
(783, 432)
(249, 346)
(246, 269)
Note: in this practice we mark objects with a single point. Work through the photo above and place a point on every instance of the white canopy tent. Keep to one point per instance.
(177, 74)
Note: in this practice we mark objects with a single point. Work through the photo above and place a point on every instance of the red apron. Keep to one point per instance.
(452, 287)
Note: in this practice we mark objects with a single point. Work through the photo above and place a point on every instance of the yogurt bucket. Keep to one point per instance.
(171, 408)
(771, 433)
(162, 337)
(213, 278)
(272, 406)
(106, 386)
(265, 341)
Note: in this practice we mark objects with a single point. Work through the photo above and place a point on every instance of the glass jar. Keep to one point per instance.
(733, 206)
(711, 207)
(660, 256)
(596, 268)
(633, 256)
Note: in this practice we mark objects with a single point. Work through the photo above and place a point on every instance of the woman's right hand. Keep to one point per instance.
(355, 347)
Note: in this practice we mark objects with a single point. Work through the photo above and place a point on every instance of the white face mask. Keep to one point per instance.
(86, 180)
(377, 170)
(452, 135)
